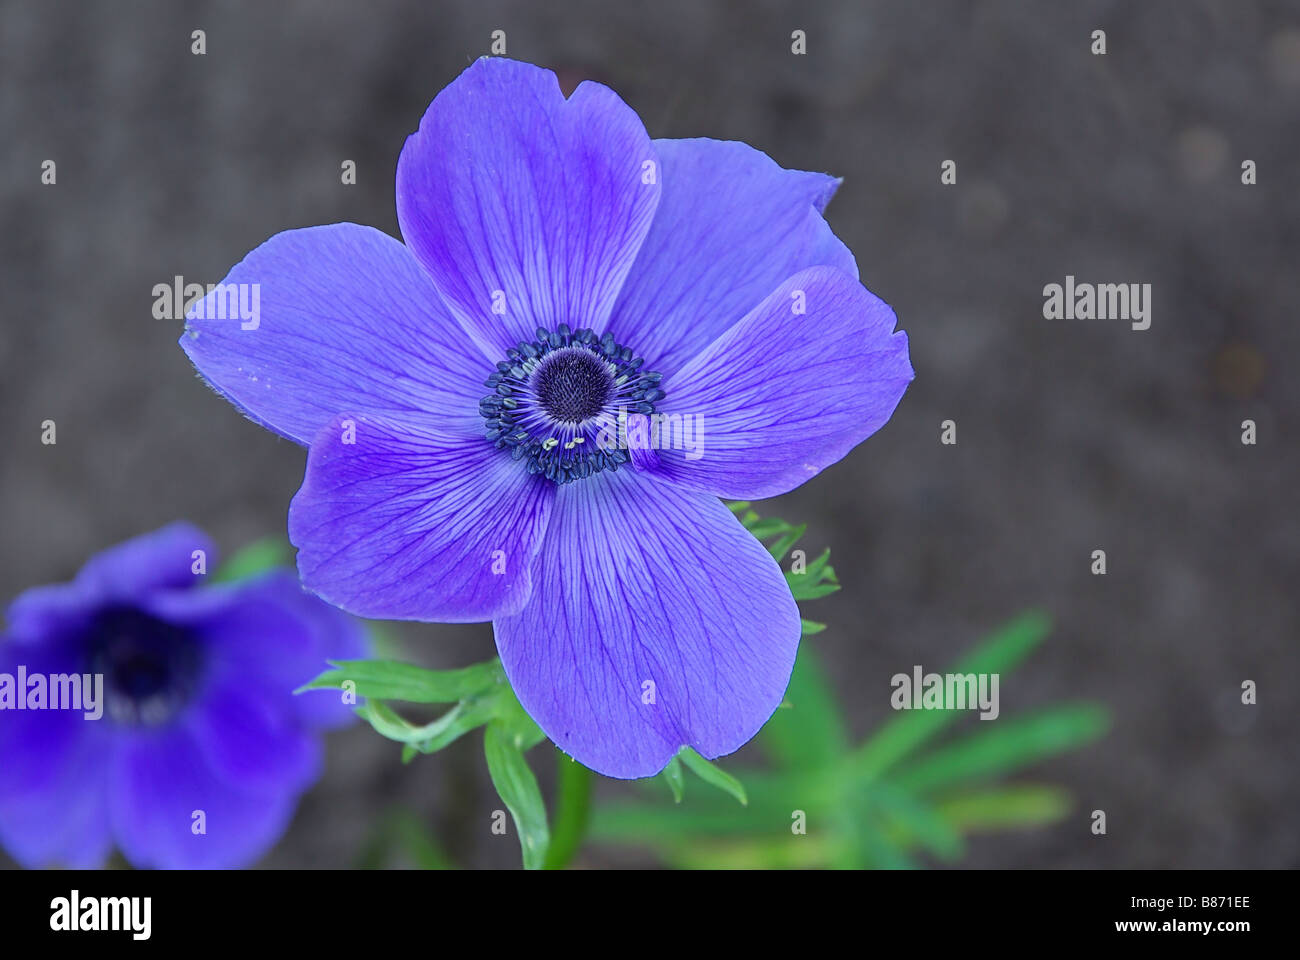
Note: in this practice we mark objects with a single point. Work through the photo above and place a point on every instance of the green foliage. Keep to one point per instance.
(676, 779)
(882, 803)
(480, 697)
(879, 804)
(255, 558)
(573, 810)
(887, 802)
(518, 788)
(712, 775)
(388, 680)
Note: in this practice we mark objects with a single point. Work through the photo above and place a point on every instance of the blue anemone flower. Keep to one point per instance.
(527, 412)
(194, 751)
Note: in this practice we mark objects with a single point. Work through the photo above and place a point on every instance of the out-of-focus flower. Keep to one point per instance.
(144, 710)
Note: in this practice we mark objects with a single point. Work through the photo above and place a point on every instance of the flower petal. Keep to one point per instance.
(252, 737)
(656, 621)
(51, 615)
(160, 782)
(731, 225)
(346, 321)
(509, 190)
(402, 524)
(51, 765)
(162, 559)
(782, 394)
(64, 825)
(271, 634)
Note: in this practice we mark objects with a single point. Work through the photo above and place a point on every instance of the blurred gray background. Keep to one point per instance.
(1072, 435)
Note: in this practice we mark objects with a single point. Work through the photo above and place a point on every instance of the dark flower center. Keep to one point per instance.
(572, 384)
(560, 402)
(150, 667)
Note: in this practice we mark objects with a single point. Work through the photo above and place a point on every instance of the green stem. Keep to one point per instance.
(572, 812)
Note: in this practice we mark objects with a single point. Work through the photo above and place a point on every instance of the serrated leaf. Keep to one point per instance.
(814, 591)
(818, 568)
(517, 787)
(816, 580)
(390, 680)
(790, 535)
(768, 527)
(787, 535)
(712, 775)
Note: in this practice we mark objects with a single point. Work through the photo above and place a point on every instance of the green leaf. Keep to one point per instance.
(454, 724)
(900, 736)
(1023, 805)
(880, 852)
(819, 568)
(517, 787)
(712, 775)
(514, 720)
(389, 680)
(920, 821)
(388, 723)
(814, 591)
(779, 548)
(862, 841)
(779, 853)
(255, 558)
(429, 737)
(816, 580)
(810, 627)
(1005, 746)
(810, 732)
(572, 811)
(639, 823)
(676, 779)
(766, 527)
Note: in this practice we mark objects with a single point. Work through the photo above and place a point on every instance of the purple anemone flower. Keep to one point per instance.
(141, 710)
(528, 412)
